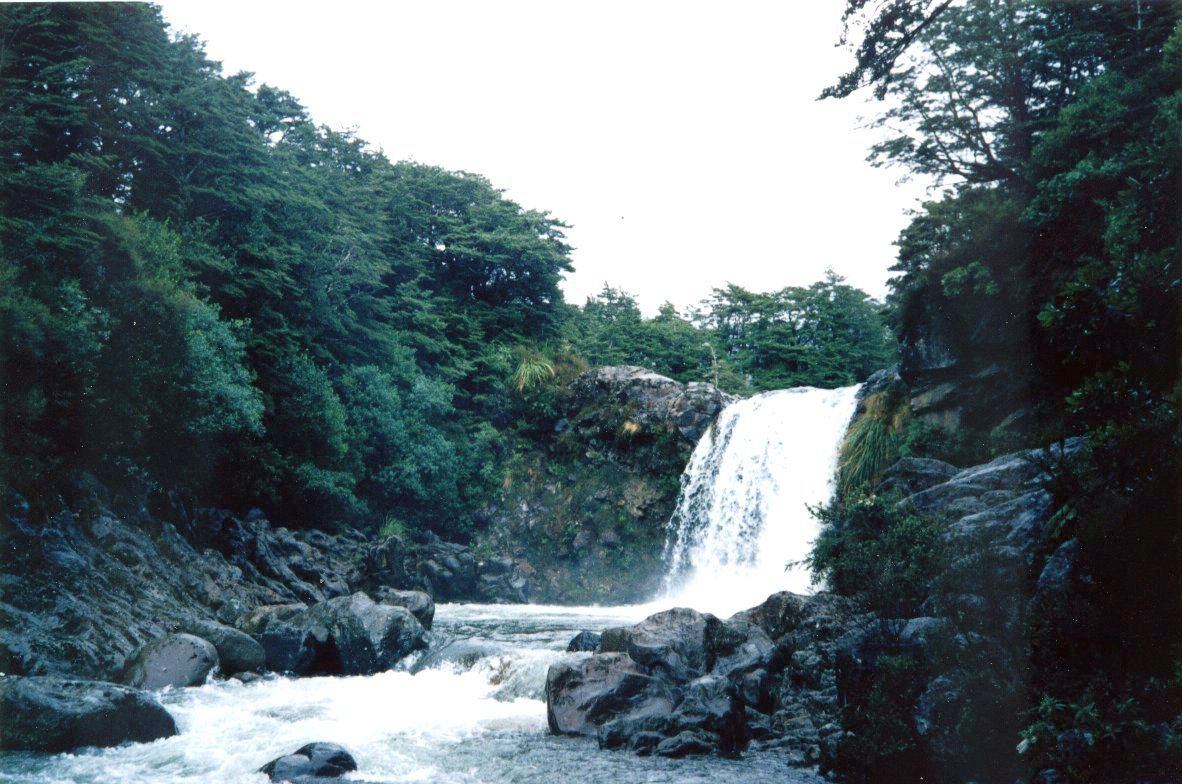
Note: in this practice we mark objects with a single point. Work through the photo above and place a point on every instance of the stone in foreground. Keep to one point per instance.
(58, 714)
(314, 761)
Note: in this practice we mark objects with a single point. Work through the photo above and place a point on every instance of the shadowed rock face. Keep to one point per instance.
(586, 506)
(58, 714)
(121, 580)
(682, 682)
(970, 646)
(348, 635)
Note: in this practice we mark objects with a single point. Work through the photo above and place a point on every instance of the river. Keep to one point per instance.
(472, 707)
(476, 712)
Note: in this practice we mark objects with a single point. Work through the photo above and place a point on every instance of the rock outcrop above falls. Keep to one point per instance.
(587, 505)
(598, 399)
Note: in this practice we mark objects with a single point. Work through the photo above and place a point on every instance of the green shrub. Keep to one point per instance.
(881, 744)
(871, 549)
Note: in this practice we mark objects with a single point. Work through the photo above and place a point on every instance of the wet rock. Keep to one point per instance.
(736, 647)
(313, 761)
(582, 695)
(281, 638)
(347, 635)
(913, 474)
(672, 643)
(584, 641)
(502, 580)
(420, 604)
(175, 660)
(56, 714)
(686, 744)
(353, 635)
(237, 651)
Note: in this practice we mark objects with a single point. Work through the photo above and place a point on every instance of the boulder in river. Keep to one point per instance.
(584, 641)
(175, 660)
(58, 714)
(237, 651)
(313, 761)
(420, 604)
(582, 695)
(348, 635)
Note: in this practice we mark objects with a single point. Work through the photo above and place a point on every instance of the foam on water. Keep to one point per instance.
(474, 719)
(743, 513)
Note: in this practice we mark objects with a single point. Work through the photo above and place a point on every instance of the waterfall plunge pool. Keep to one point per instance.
(475, 713)
(472, 707)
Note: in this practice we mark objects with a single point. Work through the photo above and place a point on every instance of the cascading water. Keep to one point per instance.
(743, 511)
(471, 710)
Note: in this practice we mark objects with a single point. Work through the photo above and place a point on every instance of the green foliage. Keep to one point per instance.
(872, 443)
(1056, 252)
(871, 549)
(882, 744)
(828, 335)
(201, 284)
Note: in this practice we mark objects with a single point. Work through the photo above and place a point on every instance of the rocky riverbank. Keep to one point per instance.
(812, 674)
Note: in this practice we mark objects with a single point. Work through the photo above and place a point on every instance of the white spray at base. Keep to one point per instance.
(743, 512)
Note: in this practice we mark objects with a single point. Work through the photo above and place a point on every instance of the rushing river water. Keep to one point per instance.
(474, 712)
(472, 708)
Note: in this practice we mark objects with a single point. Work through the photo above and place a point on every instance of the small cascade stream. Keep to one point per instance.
(472, 708)
(743, 513)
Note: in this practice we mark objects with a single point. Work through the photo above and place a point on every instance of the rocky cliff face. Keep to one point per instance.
(955, 672)
(587, 508)
(822, 678)
(87, 586)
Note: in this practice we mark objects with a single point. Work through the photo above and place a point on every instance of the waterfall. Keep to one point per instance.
(743, 515)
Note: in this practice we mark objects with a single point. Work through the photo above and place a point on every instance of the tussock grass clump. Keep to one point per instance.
(872, 442)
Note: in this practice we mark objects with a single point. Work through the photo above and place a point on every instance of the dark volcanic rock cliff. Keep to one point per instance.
(587, 507)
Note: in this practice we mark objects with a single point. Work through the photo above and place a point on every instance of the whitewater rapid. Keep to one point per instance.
(471, 709)
(743, 513)
(472, 712)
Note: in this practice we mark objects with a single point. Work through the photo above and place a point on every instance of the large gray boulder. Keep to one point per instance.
(176, 660)
(420, 603)
(672, 643)
(348, 635)
(58, 714)
(598, 399)
(237, 651)
(582, 695)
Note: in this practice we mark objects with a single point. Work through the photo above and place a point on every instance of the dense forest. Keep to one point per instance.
(1055, 129)
(203, 289)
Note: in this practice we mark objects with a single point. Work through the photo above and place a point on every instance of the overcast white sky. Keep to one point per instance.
(681, 140)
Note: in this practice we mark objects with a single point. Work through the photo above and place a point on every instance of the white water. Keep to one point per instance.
(472, 709)
(474, 714)
(743, 511)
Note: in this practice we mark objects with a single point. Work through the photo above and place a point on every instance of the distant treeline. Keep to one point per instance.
(203, 289)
